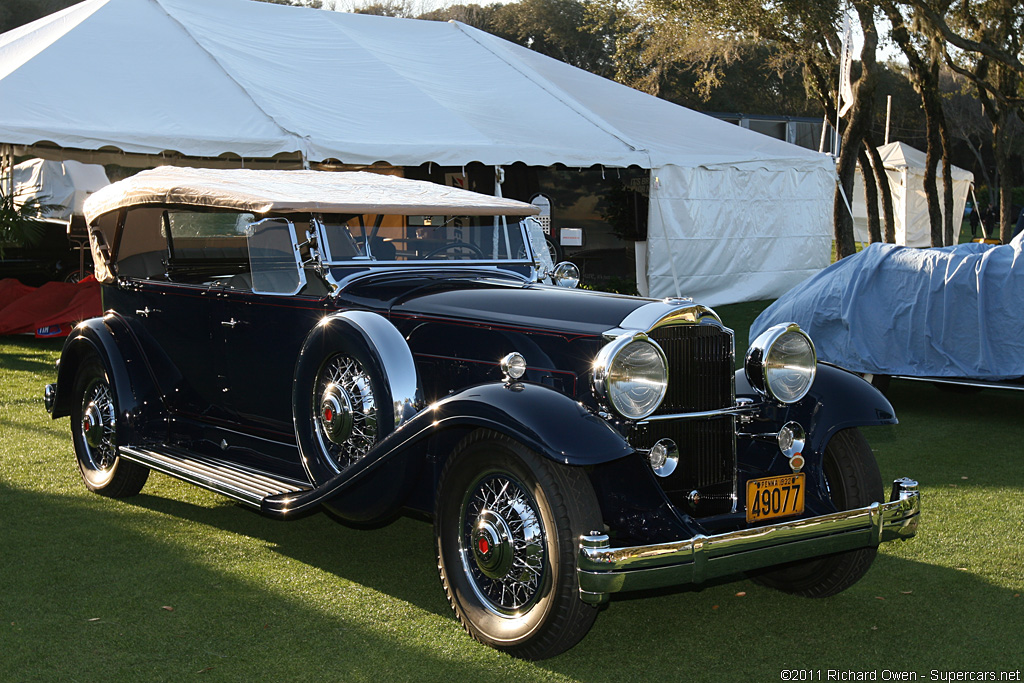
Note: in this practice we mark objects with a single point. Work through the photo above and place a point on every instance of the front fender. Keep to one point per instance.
(838, 399)
(540, 418)
(110, 339)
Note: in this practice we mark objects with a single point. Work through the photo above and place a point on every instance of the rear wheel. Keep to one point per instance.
(853, 480)
(507, 525)
(94, 430)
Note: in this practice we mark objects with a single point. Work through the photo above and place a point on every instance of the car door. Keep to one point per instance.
(261, 322)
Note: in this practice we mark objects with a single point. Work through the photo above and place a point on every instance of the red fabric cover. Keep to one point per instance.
(47, 311)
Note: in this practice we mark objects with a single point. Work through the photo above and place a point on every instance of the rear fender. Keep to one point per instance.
(110, 340)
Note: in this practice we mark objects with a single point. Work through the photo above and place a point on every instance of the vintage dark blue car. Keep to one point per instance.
(301, 340)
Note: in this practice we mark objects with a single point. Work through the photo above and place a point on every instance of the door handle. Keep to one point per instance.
(144, 312)
(232, 323)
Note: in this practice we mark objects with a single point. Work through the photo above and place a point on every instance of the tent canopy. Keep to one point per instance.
(904, 167)
(235, 78)
(209, 77)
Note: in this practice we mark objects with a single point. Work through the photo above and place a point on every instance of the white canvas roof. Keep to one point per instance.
(235, 78)
(209, 77)
(264, 191)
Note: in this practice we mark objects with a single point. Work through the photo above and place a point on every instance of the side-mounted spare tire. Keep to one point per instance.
(355, 383)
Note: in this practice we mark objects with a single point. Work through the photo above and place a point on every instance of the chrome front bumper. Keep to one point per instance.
(603, 570)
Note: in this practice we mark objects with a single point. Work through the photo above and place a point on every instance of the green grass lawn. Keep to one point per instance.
(179, 583)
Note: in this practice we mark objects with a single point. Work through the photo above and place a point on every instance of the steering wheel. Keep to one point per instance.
(472, 247)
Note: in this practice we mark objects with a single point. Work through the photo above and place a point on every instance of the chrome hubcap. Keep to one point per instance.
(492, 546)
(336, 414)
(99, 426)
(346, 412)
(503, 545)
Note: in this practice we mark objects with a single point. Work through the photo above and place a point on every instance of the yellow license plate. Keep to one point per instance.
(773, 497)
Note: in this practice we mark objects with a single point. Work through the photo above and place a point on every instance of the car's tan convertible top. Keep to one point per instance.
(274, 191)
(262, 192)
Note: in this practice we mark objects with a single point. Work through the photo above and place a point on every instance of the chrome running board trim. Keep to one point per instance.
(228, 479)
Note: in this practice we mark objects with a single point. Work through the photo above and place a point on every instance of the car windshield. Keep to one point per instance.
(407, 239)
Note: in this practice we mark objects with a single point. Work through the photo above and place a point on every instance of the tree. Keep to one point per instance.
(923, 54)
(557, 28)
(15, 13)
(802, 31)
(986, 35)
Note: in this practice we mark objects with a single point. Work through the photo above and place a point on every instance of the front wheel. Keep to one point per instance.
(94, 431)
(853, 481)
(507, 525)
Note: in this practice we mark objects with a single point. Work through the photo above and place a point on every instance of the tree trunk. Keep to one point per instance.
(929, 88)
(950, 221)
(884, 189)
(870, 196)
(925, 76)
(1001, 143)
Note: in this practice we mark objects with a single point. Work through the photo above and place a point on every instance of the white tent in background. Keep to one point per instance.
(905, 166)
(734, 215)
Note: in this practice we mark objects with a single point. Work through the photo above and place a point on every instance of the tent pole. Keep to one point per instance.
(846, 200)
(981, 222)
(888, 115)
(7, 170)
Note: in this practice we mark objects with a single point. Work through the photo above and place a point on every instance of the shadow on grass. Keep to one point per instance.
(23, 354)
(314, 598)
(96, 590)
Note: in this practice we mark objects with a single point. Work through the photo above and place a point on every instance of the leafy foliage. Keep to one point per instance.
(19, 220)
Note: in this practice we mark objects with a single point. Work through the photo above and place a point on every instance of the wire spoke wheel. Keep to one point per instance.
(94, 418)
(507, 523)
(99, 427)
(503, 549)
(346, 411)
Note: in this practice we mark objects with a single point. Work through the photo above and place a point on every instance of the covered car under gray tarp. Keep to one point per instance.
(951, 312)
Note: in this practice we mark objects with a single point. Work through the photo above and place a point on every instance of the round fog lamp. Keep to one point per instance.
(664, 457)
(791, 439)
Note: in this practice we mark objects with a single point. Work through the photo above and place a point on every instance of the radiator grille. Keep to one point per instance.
(700, 367)
(705, 450)
(701, 374)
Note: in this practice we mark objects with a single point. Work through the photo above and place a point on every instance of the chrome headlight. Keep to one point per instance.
(631, 376)
(781, 363)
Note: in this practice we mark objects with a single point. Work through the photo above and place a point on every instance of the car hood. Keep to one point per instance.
(498, 301)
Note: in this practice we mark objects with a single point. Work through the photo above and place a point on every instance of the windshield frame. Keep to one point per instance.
(323, 251)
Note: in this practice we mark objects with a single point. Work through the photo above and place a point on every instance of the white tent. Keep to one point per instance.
(904, 167)
(735, 215)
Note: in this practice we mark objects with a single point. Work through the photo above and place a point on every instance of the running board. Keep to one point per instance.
(229, 479)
